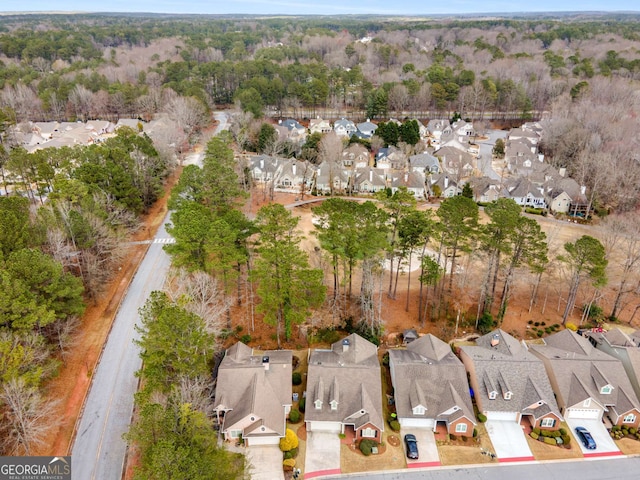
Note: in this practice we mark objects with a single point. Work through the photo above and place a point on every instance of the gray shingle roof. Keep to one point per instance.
(503, 365)
(245, 386)
(427, 373)
(350, 373)
(581, 370)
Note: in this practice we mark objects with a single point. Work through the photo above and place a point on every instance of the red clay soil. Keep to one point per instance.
(71, 385)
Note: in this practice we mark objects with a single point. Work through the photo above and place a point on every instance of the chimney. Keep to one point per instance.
(562, 171)
(345, 345)
(262, 163)
(583, 190)
(446, 182)
(406, 177)
(293, 168)
(265, 362)
(371, 175)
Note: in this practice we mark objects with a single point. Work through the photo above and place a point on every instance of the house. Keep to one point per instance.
(367, 129)
(456, 162)
(369, 180)
(318, 125)
(263, 168)
(132, 123)
(463, 130)
(344, 390)
(294, 176)
(344, 128)
(413, 181)
(253, 394)
(446, 188)
(588, 383)
(487, 190)
(391, 158)
(100, 127)
(430, 387)
(45, 129)
(525, 194)
(424, 163)
(509, 383)
(355, 156)
(625, 347)
(558, 200)
(439, 131)
(527, 132)
(331, 177)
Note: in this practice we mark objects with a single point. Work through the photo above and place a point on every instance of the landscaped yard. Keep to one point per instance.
(352, 460)
(628, 446)
(467, 453)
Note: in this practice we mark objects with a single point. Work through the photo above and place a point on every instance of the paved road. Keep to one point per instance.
(601, 469)
(99, 450)
(486, 153)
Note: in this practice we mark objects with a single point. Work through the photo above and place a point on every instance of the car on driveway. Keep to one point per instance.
(411, 443)
(586, 438)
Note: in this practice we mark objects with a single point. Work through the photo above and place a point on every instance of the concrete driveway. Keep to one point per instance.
(605, 446)
(509, 441)
(323, 454)
(265, 462)
(427, 448)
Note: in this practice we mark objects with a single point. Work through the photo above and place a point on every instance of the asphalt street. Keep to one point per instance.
(99, 449)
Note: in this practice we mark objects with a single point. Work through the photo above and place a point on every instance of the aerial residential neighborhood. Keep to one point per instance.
(364, 244)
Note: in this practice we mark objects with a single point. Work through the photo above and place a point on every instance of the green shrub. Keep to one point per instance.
(562, 431)
(536, 430)
(301, 404)
(633, 431)
(566, 439)
(453, 437)
(246, 338)
(296, 378)
(293, 453)
(294, 416)
(540, 333)
(550, 441)
(395, 425)
(366, 445)
(615, 428)
(482, 417)
(537, 324)
(464, 438)
(342, 436)
(475, 433)
(534, 435)
(288, 464)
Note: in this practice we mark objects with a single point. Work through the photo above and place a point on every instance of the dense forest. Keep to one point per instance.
(71, 209)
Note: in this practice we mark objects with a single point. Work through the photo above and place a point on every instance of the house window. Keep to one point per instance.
(235, 433)
(419, 410)
(507, 395)
(586, 403)
(334, 405)
(548, 422)
(318, 404)
(631, 418)
(461, 428)
(492, 395)
(607, 389)
(369, 433)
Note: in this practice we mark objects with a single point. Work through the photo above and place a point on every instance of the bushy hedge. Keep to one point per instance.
(296, 378)
(395, 425)
(482, 417)
(301, 404)
(366, 445)
(288, 464)
(294, 416)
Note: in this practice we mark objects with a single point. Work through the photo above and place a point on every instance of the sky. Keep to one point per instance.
(318, 7)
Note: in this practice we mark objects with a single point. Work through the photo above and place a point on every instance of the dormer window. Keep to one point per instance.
(586, 403)
(318, 404)
(606, 390)
(419, 410)
(334, 405)
(507, 395)
(493, 395)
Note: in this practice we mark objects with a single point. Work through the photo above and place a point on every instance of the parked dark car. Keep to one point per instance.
(586, 438)
(412, 446)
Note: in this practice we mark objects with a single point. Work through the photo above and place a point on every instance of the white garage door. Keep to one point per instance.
(252, 441)
(503, 416)
(417, 422)
(583, 413)
(325, 427)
